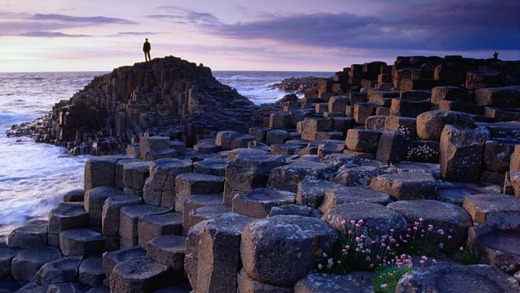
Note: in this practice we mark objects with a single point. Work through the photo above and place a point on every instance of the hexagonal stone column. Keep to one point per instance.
(140, 275)
(406, 185)
(195, 183)
(168, 250)
(27, 262)
(34, 234)
(280, 250)
(358, 282)
(111, 213)
(151, 226)
(339, 194)
(94, 201)
(65, 217)
(134, 176)
(112, 258)
(494, 210)
(128, 219)
(91, 271)
(81, 241)
(6, 256)
(287, 177)
(58, 271)
(259, 202)
(495, 247)
(159, 188)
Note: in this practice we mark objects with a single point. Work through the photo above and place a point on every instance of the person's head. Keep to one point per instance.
(146, 39)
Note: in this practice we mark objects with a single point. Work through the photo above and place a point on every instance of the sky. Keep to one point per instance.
(288, 35)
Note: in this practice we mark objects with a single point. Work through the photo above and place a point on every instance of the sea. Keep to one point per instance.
(34, 176)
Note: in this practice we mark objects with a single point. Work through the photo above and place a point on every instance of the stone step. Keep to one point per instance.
(111, 212)
(259, 202)
(204, 213)
(65, 217)
(139, 275)
(168, 250)
(94, 201)
(494, 210)
(112, 258)
(134, 176)
(34, 234)
(81, 241)
(129, 216)
(58, 271)
(151, 226)
(195, 183)
(76, 195)
(91, 271)
(215, 167)
(406, 185)
(27, 262)
(195, 201)
(339, 194)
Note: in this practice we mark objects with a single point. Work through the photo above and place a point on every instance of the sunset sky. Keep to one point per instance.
(292, 35)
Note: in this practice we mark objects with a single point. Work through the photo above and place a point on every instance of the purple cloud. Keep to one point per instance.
(80, 20)
(48, 34)
(185, 16)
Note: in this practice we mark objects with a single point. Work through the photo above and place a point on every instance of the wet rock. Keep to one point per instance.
(75, 195)
(58, 271)
(91, 271)
(65, 217)
(27, 262)
(458, 278)
(6, 256)
(281, 250)
(34, 234)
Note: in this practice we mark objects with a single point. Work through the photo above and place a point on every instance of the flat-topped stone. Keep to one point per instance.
(360, 140)
(195, 183)
(494, 210)
(100, 171)
(27, 262)
(212, 265)
(431, 123)
(66, 287)
(128, 218)
(167, 250)
(356, 176)
(358, 282)
(151, 226)
(94, 200)
(113, 258)
(457, 278)
(140, 275)
(259, 202)
(248, 169)
(75, 195)
(498, 248)
(340, 194)
(287, 149)
(215, 167)
(296, 210)
(406, 185)
(111, 212)
(134, 176)
(196, 201)
(287, 177)
(204, 213)
(159, 188)
(34, 234)
(91, 271)
(377, 219)
(311, 192)
(58, 271)
(452, 219)
(207, 146)
(280, 250)
(81, 241)
(65, 217)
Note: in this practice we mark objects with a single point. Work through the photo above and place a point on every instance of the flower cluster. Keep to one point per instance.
(356, 250)
(422, 153)
(403, 130)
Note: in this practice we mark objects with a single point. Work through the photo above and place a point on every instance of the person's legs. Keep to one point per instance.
(147, 56)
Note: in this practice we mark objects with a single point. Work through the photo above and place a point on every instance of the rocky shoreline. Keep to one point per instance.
(296, 85)
(258, 207)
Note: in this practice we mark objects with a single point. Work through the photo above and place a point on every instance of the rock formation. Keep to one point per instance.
(258, 211)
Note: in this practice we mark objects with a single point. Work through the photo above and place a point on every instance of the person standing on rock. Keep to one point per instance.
(146, 49)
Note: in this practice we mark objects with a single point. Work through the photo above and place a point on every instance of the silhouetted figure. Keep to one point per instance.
(146, 49)
(495, 55)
